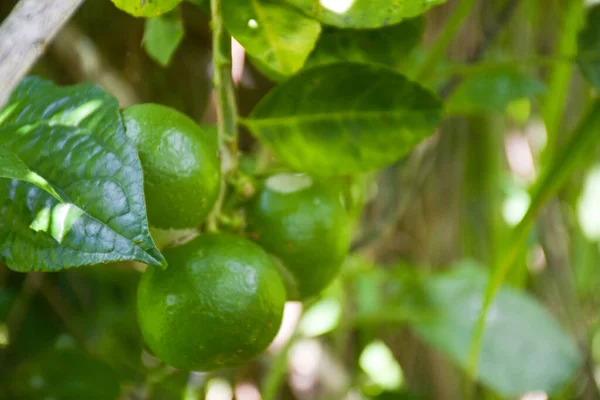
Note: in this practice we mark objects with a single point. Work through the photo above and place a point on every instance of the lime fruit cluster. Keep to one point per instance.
(220, 301)
(305, 224)
(181, 166)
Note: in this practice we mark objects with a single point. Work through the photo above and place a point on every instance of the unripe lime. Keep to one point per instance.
(180, 162)
(305, 224)
(218, 304)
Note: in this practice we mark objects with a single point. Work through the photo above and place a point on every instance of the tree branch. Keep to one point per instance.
(24, 35)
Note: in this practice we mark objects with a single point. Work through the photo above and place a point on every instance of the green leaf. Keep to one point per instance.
(162, 36)
(345, 118)
(492, 92)
(363, 13)
(589, 47)
(146, 8)
(72, 137)
(275, 34)
(12, 167)
(387, 46)
(524, 349)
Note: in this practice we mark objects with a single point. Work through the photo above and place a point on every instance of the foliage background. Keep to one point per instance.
(455, 197)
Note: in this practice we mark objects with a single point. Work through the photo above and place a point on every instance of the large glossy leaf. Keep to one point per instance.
(589, 47)
(388, 46)
(162, 36)
(363, 13)
(524, 349)
(12, 167)
(492, 92)
(72, 137)
(277, 35)
(345, 118)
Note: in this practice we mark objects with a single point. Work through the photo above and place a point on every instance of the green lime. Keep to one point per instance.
(305, 224)
(218, 304)
(182, 174)
(146, 8)
(65, 374)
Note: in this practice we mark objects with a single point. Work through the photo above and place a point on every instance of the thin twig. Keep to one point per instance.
(24, 35)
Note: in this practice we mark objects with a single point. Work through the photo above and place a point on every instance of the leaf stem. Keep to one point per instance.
(556, 172)
(445, 37)
(227, 117)
(277, 371)
(560, 76)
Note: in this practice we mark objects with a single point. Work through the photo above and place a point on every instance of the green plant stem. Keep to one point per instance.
(227, 116)
(278, 369)
(560, 76)
(222, 80)
(555, 174)
(581, 145)
(438, 50)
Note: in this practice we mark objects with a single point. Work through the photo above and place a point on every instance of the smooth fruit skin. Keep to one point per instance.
(217, 305)
(307, 228)
(182, 174)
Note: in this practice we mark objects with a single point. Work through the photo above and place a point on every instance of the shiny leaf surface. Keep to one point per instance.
(345, 118)
(12, 167)
(74, 138)
(363, 13)
(277, 35)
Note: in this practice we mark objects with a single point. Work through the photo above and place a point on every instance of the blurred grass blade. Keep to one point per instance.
(572, 156)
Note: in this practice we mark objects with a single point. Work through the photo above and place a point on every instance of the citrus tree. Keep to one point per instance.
(299, 199)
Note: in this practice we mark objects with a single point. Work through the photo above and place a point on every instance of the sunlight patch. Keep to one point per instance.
(337, 6)
(289, 183)
(77, 115)
(381, 366)
(321, 318)
(56, 221)
(588, 213)
(6, 113)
